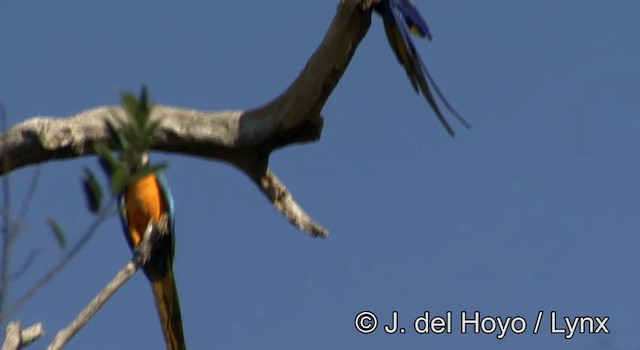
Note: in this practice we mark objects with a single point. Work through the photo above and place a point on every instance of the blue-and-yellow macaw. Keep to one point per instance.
(145, 200)
(400, 17)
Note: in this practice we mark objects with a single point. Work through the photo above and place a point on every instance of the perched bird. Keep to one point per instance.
(149, 200)
(401, 17)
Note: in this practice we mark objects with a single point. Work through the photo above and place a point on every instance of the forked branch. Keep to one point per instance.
(244, 139)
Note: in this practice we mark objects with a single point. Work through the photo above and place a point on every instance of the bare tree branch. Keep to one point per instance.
(92, 308)
(232, 136)
(11, 336)
(282, 199)
(31, 334)
(16, 338)
(244, 139)
(142, 252)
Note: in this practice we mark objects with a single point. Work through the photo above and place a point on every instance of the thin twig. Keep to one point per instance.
(282, 199)
(150, 237)
(16, 338)
(31, 258)
(31, 334)
(28, 199)
(12, 336)
(87, 313)
(93, 228)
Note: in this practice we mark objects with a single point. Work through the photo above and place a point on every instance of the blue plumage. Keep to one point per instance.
(400, 17)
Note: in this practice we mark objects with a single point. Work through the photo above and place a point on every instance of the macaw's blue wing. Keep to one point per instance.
(400, 16)
(166, 191)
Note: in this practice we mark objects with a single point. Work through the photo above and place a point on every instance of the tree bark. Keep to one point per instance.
(244, 139)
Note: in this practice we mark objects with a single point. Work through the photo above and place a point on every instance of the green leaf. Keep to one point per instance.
(134, 135)
(144, 109)
(58, 233)
(108, 162)
(101, 148)
(130, 103)
(144, 96)
(148, 132)
(119, 180)
(115, 135)
(92, 191)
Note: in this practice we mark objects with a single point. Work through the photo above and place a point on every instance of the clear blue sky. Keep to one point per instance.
(536, 208)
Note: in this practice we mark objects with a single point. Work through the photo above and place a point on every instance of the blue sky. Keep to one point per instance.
(534, 209)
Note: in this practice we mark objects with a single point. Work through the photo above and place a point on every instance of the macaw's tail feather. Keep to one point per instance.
(168, 305)
(426, 92)
(444, 100)
(401, 17)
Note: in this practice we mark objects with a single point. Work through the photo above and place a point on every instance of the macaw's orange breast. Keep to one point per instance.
(144, 201)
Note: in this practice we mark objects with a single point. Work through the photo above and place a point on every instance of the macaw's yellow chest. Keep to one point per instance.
(144, 200)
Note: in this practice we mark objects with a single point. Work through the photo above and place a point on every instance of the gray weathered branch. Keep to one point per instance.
(64, 335)
(244, 139)
(17, 338)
